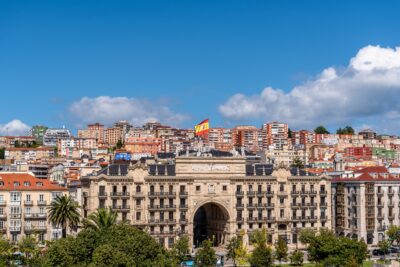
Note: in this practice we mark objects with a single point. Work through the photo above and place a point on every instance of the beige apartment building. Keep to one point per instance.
(113, 135)
(207, 196)
(26, 154)
(366, 203)
(95, 130)
(23, 206)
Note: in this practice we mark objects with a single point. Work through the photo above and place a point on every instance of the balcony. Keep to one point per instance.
(270, 193)
(295, 193)
(3, 216)
(138, 195)
(239, 220)
(15, 228)
(121, 208)
(270, 205)
(102, 194)
(239, 193)
(379, 193)
(162, 207)
(323, 192)
(380, 228)
(269, 219)
(3, 230)
(381, 204)
(390, 193)
(380, 216)
(183, 193)
(183, 220)
(163, 233)
(282, 193)
(183, 206)
(296, 218)
(3, 203)
(239, 206)
(260, 193)
(390, 204)
(35, 228)
(42, 203)
(323, 217)
(391, 216)
(251, 193)
(312, 193)
(252, 220)
(15, 215)
(35, 215)
(28, 203)
(313, 205)
(251, 206)
(323, 204)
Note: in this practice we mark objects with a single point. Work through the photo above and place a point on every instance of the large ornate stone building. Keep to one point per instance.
(208, 196)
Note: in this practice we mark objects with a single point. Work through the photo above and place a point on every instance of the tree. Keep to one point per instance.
(28, 246)
(306, 235)
(261, 256)
(297, 163)
(328, 249)
(119, 144)
(64, 212)
(321, 130)
(205, 256)
(2, 151)
(237, 250)
(106, 255)
(281, 249)
(384, 245)
(181, 249)
(345, 130)
(393, 232)
(297, 258)
(290, 133)
(101, 219)
(5, 251)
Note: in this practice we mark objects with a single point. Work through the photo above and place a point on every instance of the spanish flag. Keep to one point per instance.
(202, 128)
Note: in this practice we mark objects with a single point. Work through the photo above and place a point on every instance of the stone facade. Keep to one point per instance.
(207, 197)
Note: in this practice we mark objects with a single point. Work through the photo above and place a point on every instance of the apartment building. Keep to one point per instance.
(95, 130)
(246, 136)
(113, 135)
(27, 154)
(365, 203)
(211, 196)
(23, 206)
(276, 135)
(143, 145)
(51, 136)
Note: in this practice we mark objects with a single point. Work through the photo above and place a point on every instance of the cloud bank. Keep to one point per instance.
(107, 110)
(366, 91)
(14, 127)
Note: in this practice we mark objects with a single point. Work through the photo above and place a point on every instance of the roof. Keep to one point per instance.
(376, 173)
(29, 148)
(26, 182)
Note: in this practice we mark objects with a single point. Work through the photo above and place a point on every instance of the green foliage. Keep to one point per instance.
(118, 245)
(28, 246)
(237, 251)
(5, 251)
(345, 130)
(321, 130)
(181, 249)
(2, 152)
(328, 249)
(281, 250)
(205, 256)
(106, 255)
(290, 133)
(261, 257)
(306, 235)
(393, 233)
(384, 245)
(64, 211)
(259, 237)
(101, 219)
(297, 163)
(119, 144)
(297, 258)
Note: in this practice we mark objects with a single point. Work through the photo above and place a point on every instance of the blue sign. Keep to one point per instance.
(123, 156)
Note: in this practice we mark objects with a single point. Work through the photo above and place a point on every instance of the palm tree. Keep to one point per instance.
(64, 211)
(101, 219)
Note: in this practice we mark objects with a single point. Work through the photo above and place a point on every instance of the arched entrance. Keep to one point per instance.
(210, 222)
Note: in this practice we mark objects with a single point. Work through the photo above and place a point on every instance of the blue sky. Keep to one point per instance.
(183, 60)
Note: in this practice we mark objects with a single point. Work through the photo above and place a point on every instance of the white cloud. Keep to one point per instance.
(366, 91)
(14, 127)
(107, 110)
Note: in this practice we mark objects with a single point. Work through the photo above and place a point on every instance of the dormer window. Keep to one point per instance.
(16, 183)
(39, 184)
(2, 183)
(27, 183)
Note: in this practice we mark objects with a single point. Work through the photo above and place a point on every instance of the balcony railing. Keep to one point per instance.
(183, 206)
(183, 193)
(162, 207)
(239, 193)
(42, 202)
(28, 202)
(323, 192)
(251, 193)
(31, 228)
(269, 193)
(119, 194)
(138, 195)
(35, 215)
(15, 215)
(120, 207)
(3, 203)
(15, 228)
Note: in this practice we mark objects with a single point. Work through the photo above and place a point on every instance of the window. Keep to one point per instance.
(281, 187)
(138, 189)
(16, 183)
(282, 213)
(281, 200)
(28, 197)
(28, 210)
(138, 202)
(41, 210)
(27, 183)
(39, 184)
(15, 196)
(138, 216)
(224, 188)
(41, 197)
(197, 187)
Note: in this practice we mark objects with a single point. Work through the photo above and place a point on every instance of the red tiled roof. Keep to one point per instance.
(27, 182)
(29, 148)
